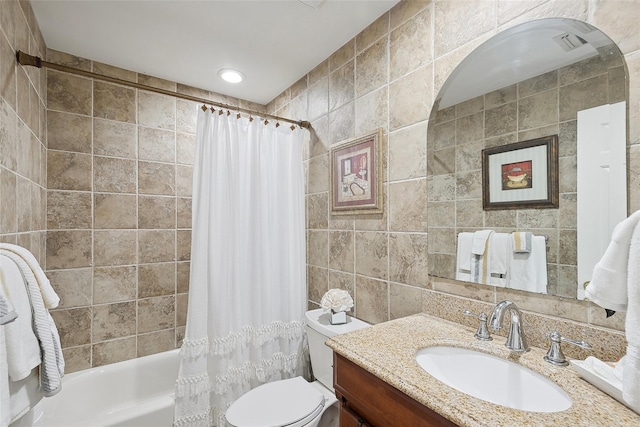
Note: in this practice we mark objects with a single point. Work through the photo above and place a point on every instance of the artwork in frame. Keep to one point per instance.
(523, 175)
(355, 175)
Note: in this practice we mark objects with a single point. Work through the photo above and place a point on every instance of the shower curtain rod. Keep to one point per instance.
(35, 61)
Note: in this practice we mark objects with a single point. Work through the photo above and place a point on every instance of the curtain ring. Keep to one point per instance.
(277, 124)
(220, 112)
(212, 110)
(250, 118)
(228, 113)
(293, 127)
(238, 116)
(266, 122)
(203, 108)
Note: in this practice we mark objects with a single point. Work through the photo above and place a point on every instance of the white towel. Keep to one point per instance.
(500, 254)
(522, 242)
(52, 366)
(631, 377)
(528, 271)
(23, 350)
(608, 286)
(479, 244)
(5, 394)
(49, 296)
(463, 257)
(480, 259)
(7, 312)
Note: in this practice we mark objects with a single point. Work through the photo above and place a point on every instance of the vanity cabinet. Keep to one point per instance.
(367, 401)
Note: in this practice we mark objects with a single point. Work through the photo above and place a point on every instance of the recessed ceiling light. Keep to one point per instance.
(231, 76)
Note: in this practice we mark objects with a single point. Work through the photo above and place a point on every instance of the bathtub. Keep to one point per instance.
(133, 393)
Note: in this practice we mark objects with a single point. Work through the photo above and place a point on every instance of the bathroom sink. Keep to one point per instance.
(493, 379)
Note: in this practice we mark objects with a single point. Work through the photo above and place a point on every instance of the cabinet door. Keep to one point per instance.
(348, 418)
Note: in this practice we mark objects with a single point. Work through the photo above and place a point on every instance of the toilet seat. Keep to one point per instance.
(285, 403)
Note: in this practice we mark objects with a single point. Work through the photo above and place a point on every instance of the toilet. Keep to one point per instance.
(295, 402)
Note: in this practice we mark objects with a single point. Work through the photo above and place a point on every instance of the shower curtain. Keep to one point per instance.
(247, 281)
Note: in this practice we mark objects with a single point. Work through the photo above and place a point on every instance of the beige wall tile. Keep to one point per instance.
(408, 206)
(342, 123)
(457, 23)
(185, 148)
(371, 112)
(182, 277)
(113, 321)
(111, 138)
(156, 111)
(582, 95)
(68, 171)
(156, 246)
(372, 303)
(342, 55)
(156, 212)
(372, 254)
(371, 34)
(8, 137)
(404, 301)
(183, 245)
(184, 180)
(114, 247)
(183, 208)
(156, 178)
(68, 132)
(404, 10)
(371, 68)
(108, 352)
(408, 152)
(114, 102)
(72, 286)
(317, 248)
(114, 175)
(408, 258)
(114, 211)
(410, 98)
(156, 342)
(111, 71)
(318, 98)
(410, 45)
(68, 93)
(68, 249)
(341, 251)
(341, 86)
(156, 280)
(74, 326)
(76, 358)
(68, 210)
(538, 110)
(156, 144)
(317, 283)
(186, 116)
(156, 313)
(114, 284)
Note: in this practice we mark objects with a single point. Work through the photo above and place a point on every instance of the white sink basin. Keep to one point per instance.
(493, 379)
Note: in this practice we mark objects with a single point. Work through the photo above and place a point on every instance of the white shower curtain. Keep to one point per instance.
(248, 280)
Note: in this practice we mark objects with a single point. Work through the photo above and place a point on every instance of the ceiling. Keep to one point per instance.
(274, 43)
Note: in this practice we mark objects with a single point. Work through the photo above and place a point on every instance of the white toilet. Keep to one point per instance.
(295, 402)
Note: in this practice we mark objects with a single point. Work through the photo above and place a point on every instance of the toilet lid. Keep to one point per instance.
(276, 404)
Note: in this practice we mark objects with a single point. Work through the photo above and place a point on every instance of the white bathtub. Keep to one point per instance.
(133, 393)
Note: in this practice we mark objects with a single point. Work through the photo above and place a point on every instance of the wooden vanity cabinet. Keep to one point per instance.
(367, 401)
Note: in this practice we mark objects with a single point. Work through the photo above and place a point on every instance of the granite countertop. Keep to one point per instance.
(388, 350)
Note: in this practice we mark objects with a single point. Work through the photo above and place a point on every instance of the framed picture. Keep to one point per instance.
(355, 175)
(523, 175)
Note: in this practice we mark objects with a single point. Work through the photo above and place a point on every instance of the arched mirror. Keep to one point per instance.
(535, 81)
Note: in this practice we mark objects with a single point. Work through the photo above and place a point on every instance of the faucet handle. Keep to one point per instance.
(483, 332)
(555, 355)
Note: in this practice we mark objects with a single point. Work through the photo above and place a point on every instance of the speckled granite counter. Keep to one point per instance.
(388, 351)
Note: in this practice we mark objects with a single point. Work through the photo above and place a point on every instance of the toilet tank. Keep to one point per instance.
(319, 330)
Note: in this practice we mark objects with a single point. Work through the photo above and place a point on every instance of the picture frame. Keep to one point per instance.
(522, 175)
(355, 175)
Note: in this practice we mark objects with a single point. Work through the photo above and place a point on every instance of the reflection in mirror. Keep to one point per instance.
(528, 82)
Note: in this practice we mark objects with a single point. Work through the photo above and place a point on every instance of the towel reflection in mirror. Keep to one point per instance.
(508, 260)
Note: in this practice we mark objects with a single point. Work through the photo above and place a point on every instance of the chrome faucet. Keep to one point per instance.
(516, 340)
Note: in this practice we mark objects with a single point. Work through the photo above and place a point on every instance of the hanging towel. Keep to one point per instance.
(480, 259)
(631, 374)
(528, 271)
(522, 242)
(49, 296)
(499, 258)
(52, 366)
(23, 350)
(463, 257)
(7, 312)
(480, 240)
(608, 286)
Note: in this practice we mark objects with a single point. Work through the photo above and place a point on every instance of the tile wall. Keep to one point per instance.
(22, 132)
(120, 164)
(387, 76)
(537, 107)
